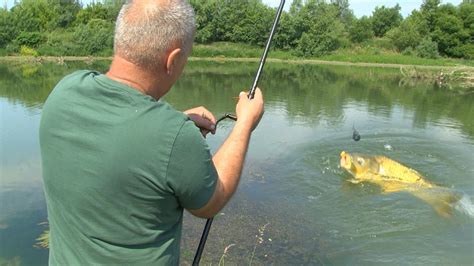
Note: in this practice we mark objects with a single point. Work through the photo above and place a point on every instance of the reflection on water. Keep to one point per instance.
(294, 205)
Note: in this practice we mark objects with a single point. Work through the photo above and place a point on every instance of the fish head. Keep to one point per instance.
(356, 164)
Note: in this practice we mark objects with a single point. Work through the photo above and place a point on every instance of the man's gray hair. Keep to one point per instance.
(146, 30)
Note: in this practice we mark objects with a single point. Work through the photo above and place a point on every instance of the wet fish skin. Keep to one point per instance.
(392, 176)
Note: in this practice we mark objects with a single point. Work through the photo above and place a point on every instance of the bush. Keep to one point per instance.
(60, 43)
(361, 30)
(30, 39)
(404, 36)
(325, 33)
(465, 51)
(383, 43)
(12, 48)
(427, 49)
(27, 51)
(409, 51)
(96, 36)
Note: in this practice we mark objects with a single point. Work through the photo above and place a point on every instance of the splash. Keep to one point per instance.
(465, 206)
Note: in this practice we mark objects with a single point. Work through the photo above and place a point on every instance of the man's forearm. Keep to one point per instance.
(228, 161)
(230, 157)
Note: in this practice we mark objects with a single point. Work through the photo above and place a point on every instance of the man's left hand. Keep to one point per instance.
(203, 119)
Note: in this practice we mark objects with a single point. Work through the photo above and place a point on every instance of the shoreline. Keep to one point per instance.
(91, 59)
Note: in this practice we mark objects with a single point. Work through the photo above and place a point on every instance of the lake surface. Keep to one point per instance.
(294, 204)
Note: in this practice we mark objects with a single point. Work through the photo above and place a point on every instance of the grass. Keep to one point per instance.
(354, 55)
(391, 57)
(369, 54)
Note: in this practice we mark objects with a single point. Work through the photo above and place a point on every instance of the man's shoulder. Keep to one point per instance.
(76, 76)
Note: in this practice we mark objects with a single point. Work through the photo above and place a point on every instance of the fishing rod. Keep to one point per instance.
(207, 227)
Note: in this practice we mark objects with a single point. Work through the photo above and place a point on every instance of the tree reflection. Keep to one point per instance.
(307, 93)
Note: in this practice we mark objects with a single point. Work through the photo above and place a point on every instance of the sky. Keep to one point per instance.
(365, 7)
(360, 7)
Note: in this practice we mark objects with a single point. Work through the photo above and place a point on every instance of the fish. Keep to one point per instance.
(392, 176)
(355, 134)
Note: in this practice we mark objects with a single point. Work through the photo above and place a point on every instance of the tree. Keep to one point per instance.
(66, 10)
(325, 31)
(92, 11)
(429, 9)
(95, 37)
(32, 15)
(427, 49)
(253, 23)
(205, 28)
(345, 13)
(286, 36)
(449, 31)
(466, 12)
(361, 30)
(7, 28)
(385, 19)
(407, 35)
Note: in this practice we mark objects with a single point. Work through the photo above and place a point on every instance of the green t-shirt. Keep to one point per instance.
(118, 169)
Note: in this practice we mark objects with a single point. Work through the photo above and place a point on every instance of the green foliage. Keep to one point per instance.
(95, 37)
(449, 33)
(361, 30)
(27, 51)
(93, 11)
(429, 9)
(34, 15)
(406, 35)
(66, 11)
(324, 32)
(30, 39)
(465, 51)
(7, 28)
(427, 49)
(466, 13)
(385, 19)
(60, 42)
(310, 28)
(409, 51)
(233, 21)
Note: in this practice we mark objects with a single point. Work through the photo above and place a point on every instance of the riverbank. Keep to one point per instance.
(356, 55)
(90, 59)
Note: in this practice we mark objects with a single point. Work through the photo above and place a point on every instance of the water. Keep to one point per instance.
(294, 204)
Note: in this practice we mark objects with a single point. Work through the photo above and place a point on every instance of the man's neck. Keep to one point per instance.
(128, 73)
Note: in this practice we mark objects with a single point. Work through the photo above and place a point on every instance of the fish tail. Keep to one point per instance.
(442, 200)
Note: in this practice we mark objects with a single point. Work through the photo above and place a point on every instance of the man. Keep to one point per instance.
(119, 164)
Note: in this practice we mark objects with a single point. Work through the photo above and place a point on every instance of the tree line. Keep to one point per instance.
(310, 28)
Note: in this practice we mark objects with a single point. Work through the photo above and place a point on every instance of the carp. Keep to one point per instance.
(392, 176)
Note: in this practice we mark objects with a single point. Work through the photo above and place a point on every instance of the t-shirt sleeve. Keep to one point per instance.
(191, 173)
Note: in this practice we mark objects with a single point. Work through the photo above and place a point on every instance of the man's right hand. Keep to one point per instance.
(249, 112)
(230, 157)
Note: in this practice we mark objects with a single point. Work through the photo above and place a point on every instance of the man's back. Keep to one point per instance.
(112, 168)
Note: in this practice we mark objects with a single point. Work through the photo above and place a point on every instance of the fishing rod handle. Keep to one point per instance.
(265, 52)
(202, 242)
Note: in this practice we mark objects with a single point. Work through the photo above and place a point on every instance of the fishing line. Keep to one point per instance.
(207, 227)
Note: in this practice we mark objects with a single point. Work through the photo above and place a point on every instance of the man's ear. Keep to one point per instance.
(172, 60)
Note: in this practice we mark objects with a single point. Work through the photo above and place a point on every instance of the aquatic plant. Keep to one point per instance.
(222, 259)
(458, 79)
(461, 77)
(260, 240)
(43, 239)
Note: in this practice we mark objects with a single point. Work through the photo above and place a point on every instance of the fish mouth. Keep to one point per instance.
(345, 160)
